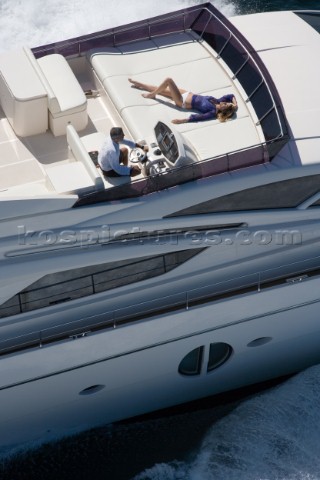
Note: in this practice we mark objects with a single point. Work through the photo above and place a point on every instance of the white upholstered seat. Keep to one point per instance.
(194, 67)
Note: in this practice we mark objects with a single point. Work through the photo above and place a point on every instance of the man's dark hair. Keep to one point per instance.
(116, 132)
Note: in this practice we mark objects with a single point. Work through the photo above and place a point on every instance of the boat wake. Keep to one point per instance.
(271, 436)
(34, 25)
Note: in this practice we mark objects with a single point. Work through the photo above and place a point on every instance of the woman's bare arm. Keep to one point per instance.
(180, 120)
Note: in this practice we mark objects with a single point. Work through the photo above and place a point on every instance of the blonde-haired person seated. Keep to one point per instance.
(209, 107)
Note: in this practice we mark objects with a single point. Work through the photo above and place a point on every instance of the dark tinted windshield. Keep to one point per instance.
(313, 19)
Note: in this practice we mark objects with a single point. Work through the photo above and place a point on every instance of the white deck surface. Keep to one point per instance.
(193, 66)
(290, 49)
(45, 150)
(119, 104)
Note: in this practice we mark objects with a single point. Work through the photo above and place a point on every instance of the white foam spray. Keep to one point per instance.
(272, 436)
(35, 22)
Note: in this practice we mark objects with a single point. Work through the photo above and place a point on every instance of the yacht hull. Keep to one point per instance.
(101, 378)
(123, 296)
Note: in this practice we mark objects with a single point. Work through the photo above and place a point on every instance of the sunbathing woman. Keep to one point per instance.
(210, 107)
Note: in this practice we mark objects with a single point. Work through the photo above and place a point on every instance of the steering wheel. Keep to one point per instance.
(137, 155)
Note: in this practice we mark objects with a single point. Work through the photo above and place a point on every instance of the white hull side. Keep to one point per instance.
(39, 396)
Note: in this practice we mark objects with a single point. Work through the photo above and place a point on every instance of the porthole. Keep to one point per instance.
(91, 390)
(219, 353)
(191, 363)
(259, 341)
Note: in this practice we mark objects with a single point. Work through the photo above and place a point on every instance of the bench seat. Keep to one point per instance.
(71, 178)
(145, 56)
(23, 96)
(183, 75)
(78, 176)
(143, 118)
(37, 93)
(193, 66)
(65, 100)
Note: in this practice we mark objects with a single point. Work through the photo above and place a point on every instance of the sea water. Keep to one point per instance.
(37, 22)
(271, 435)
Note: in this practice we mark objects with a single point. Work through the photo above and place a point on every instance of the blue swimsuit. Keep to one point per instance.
(206, 107)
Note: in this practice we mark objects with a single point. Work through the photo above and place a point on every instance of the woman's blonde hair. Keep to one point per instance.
(227, 113)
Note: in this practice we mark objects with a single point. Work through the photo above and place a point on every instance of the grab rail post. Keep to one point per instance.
(259, 281)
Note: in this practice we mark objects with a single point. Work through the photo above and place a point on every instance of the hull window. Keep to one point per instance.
(312, 18)
(92, 389)
(285, 194)
(69, 285)
(219, 353)
(191, 363)
(259, 341)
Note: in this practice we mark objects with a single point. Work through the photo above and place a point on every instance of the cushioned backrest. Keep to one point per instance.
(81, 155)
(67, 91)
(63, 89)
(52, 101)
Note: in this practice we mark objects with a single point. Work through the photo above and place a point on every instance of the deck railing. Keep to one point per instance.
(291, 273)
(242, 158)
(219, 33)
(231, 48)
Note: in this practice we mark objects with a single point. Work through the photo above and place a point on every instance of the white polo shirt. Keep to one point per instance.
(109, 154)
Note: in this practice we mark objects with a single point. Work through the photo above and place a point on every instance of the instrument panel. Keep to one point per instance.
(167, 142)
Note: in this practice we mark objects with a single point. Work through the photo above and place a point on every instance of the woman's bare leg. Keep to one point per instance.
(142, 86)
(167, 88)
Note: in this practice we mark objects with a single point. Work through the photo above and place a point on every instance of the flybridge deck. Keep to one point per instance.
(42, 93)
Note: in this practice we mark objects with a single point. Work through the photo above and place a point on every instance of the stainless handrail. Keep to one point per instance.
(192, 168)
(183, 300)
(152, 22)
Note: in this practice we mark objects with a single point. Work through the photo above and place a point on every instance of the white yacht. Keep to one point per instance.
(121, 296)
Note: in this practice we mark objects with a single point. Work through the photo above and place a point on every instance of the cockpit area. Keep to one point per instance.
(71, 94)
